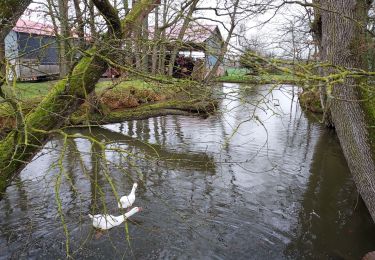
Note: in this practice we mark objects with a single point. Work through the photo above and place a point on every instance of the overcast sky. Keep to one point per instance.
(254, 28)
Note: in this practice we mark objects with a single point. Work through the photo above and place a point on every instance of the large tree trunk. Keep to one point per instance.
(10, 12)
(343, 43)
(20, 145)
(316, 28)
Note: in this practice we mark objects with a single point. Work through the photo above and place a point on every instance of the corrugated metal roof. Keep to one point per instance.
(194, 33)
(31, 27)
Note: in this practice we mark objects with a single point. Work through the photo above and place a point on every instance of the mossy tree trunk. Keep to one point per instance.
(10, 12)
(20, 145)
(343, 44)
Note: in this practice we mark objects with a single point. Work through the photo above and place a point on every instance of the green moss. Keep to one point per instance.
(260, 79)
(310, 100)
(368, 96)
(151, 99)
(149, 110)
(30, 90)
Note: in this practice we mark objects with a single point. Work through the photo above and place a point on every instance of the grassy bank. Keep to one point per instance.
(309, 98)
(116, 101)
(234, 75)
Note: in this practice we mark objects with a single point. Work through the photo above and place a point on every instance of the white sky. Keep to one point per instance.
(268, 34)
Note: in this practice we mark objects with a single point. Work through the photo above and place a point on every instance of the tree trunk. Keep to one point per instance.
(316, 29)
(180, 37)
(161, 60)
(224, 47)
(155, 46)
(126, 6)
(137, 34)
(2, 66)
(93, 32)
(145, 45)
(64, 38)
(10, 12)
(20, 145)
(80, 24)
(343, 43)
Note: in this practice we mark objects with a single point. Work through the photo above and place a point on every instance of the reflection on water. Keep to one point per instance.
(276, 186)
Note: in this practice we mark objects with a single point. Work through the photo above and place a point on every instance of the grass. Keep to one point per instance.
(34, 91)
(238, 75)
(37, 90)
(30, 93)
(118, 101)
(30, 90)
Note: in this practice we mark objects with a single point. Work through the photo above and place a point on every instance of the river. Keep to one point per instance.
(222, 187)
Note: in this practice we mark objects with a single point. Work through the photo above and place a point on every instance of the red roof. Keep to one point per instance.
(194, 33)
(31, 27)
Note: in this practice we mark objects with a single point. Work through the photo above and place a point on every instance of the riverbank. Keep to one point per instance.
(117, 101)
(241, 76)
(308, 98)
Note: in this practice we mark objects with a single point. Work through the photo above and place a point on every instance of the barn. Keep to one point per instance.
(32, 50)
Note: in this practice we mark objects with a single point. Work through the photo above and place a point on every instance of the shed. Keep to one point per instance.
(32, 49)
(199, 42)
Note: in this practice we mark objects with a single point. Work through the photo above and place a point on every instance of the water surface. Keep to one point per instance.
(258, 180)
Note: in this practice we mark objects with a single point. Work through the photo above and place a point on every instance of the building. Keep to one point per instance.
(32, 49)
(202, 43)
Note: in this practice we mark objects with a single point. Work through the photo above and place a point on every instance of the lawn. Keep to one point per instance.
(30, 90)
(238, 75)
(139, 91)
(36, 90)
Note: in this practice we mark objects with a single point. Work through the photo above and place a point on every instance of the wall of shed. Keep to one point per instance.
(39, 48)
(34, 56)
(11, 52)
(213, 48)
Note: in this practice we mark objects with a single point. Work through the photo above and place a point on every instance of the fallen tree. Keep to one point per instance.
(20, 145)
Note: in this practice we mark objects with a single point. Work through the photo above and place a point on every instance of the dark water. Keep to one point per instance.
(224, 187)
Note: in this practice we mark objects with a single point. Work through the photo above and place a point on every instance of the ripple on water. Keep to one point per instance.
(224, 187)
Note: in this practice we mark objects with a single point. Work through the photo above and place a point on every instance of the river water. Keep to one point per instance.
(258, 180)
